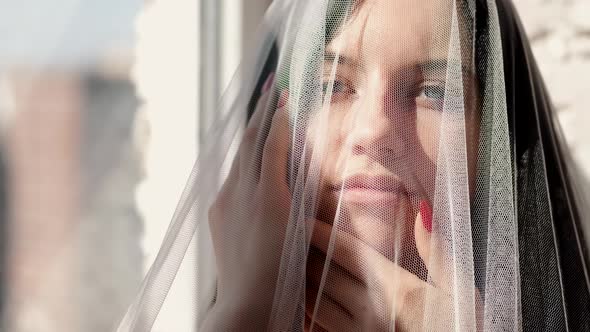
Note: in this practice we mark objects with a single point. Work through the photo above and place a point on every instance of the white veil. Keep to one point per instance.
(401, 171)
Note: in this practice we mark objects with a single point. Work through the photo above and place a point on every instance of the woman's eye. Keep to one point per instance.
(339, 87)
(435, 92)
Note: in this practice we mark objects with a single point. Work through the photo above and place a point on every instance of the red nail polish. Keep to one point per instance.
(283, 98)
(426, 213)
(268, 83)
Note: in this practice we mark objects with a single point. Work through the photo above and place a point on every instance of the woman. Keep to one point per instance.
(401, 171)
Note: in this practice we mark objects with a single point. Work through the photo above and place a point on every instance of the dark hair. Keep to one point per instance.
(555, 290)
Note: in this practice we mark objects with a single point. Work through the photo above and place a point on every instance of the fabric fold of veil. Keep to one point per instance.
(381, 165)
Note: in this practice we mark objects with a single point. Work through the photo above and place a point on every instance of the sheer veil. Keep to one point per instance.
(382, 165)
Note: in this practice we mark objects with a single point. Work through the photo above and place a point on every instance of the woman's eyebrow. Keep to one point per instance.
(440, 66)
(432, 67)
(343, 59)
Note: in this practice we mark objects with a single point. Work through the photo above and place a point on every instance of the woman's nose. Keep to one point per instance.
(373, 125)
(369, 133)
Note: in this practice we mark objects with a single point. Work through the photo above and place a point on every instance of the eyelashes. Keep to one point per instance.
(432, 91)
(430, 94)
(339, 89)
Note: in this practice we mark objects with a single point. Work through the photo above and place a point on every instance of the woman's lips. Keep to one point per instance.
(366, 189)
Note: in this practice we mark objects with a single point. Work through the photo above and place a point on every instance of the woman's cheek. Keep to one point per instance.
(428, 133)
(425, 150)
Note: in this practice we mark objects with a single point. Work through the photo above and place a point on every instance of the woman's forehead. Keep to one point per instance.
(396, 32)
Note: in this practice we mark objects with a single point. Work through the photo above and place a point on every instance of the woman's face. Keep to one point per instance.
(385, 118)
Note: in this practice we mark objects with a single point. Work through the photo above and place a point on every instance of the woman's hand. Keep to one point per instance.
(248, 222)
(365, 291)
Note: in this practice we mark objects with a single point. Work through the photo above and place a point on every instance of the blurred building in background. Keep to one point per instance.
(102, 106)
(71, 230)
(99, 131)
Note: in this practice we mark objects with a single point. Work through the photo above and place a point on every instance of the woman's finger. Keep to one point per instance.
(455, 289)
(372, 307)
(422, 231)
(431, 249)
(276, 148)
(329, 315)
(251, 145)
(346, 290)
(248, 140)
(364, 262)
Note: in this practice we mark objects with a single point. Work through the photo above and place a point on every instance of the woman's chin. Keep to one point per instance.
(393, 213)
(384, 226)
(384, 229)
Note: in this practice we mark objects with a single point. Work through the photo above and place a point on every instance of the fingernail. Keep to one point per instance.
(283, 98)
(268, 83)
(426, 213)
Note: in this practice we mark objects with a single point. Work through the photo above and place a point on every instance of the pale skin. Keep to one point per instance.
(399, 92)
